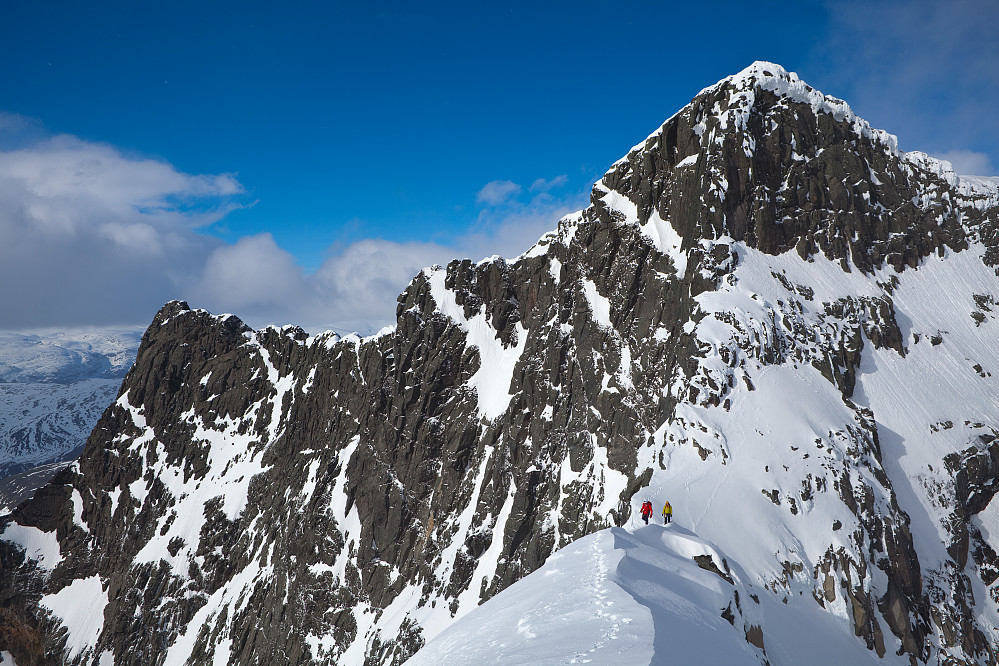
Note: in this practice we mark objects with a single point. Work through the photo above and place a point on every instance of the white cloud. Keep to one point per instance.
(89, 235)
(141, 237)
(253, 275)
(968, 162)
(65, 181)
(357, 288)
(497, 192)
(542, 185)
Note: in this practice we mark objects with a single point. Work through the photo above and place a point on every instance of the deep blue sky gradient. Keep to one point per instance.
(346, 121)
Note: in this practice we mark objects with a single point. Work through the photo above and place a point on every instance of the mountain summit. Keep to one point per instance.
(769, 316)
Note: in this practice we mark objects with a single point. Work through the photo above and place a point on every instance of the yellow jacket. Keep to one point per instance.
(667, 510)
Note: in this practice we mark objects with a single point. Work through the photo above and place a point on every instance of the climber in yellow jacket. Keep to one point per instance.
(667, 513)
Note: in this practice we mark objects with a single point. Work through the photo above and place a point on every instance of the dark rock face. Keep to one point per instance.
(266, 497)
(787, 176)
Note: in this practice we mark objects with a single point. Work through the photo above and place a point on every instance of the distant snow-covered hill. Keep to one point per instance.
(66, 356)
(54, 385)
(46, 423)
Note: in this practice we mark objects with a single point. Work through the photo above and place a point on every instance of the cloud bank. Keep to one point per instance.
(968, 162)
(90, 236)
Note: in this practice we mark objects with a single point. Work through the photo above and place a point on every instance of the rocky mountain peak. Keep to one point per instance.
(768, 316)
(763, 158)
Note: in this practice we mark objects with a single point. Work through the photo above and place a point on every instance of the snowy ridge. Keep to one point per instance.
(738, 96)
(983, 189)
(774, 78)
(635, 596)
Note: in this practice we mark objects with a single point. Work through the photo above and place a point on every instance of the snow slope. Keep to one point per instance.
(635, 595)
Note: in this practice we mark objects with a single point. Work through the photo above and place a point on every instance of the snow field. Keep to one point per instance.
(934, 402)
(80, 607)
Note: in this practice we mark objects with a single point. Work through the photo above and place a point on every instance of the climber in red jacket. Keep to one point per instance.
(646, 511)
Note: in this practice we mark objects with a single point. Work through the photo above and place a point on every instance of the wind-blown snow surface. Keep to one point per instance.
(635, 596)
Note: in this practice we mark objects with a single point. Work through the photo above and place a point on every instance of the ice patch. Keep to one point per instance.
(690, 160)
(599, 305)
(77, 500)
(666, 240)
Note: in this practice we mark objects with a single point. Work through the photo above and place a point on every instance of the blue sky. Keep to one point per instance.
(300, 163)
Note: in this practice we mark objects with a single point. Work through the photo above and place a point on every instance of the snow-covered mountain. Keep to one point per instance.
(54, 385)
(43, 423)
(768, 315)
(66, 356)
